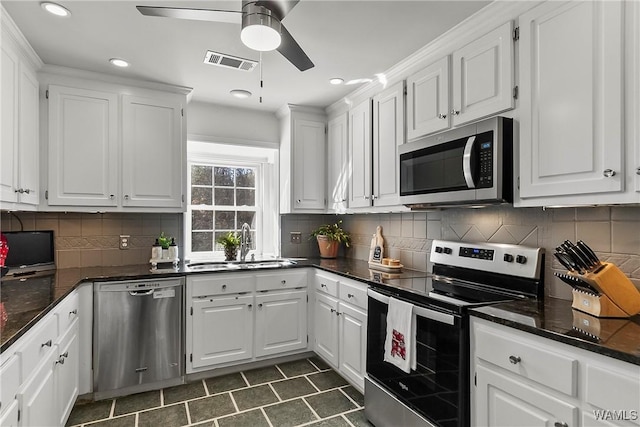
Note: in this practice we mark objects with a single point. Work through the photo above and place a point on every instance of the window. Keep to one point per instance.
(227, 188)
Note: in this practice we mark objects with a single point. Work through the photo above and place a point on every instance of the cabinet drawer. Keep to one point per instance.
(67, 312)
(38, 345)
(221, 284)
(281, 280)
(325, 283)
(353, 293)
(10, 380)
(528, 359)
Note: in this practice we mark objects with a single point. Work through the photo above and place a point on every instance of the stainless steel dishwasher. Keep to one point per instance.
(138, 341)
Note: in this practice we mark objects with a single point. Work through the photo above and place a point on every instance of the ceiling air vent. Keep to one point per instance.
(228, 61)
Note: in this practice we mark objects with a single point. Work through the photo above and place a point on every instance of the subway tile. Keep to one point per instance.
(600, 213)
(625, 213)
(434, 229)
(563, 214)
(625, 237)
(407, 225)
(420, 229)
(395, 226)
(595, 234)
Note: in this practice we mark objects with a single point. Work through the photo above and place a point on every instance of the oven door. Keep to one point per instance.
(438, 389)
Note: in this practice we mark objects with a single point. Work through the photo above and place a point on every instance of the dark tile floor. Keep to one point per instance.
(304, 392)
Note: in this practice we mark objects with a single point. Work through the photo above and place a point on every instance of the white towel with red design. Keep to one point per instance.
(400, 342)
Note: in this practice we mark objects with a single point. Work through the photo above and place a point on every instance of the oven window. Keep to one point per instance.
(435, 388)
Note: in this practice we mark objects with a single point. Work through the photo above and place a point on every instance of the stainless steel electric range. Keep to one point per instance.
(464, 275)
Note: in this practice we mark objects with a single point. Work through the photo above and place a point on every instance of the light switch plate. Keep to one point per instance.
(296, 237)
(124, 241)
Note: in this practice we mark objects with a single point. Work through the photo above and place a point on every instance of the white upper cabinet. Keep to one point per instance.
(360, 155)
(483, 76)
(19, 170)
(428, 100)
(571, 127)
(114, 147)
(338, 164)
(388, 134)
(303, 153)
(83, 147)
(151, 157)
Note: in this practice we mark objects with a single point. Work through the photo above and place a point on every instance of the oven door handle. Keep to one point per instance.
(466, 162)
(427, 313)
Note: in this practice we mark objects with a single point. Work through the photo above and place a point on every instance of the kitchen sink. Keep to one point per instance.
(236, 265)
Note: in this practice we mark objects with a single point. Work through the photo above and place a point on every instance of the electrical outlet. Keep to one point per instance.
(296, 237)
(124, 241)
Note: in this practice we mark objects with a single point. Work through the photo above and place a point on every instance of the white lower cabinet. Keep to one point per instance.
(10, 376)
(527, 380)
(340, 332)
(240, 317)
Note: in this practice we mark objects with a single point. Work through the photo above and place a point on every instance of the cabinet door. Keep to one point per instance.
(571, 134)
(353, 343)
(152, 147)
(309, 162)
(281, 322)
(428, 100)
(360, 155)
(326, 328)
(9, 130)
(483, 76)
(503, 401)
(67, 373)
(338, 164)
(28, 147)
(83, 147)
(388, 134)
(37, 397)
(10, 380)
(222, 330)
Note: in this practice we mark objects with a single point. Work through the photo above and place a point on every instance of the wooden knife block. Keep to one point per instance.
(618, 295)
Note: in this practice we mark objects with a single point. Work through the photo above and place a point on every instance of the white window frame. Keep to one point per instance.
(264, 161)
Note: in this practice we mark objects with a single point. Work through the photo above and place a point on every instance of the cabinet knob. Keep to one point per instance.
(73, 312)
(322, 285)
(559, 424)
(112, 196)
(27, 190)
(224, 287)
(260, 305)
(60, 360)
(350, 295)
(333, 310)
(19, 190)
(608, 173)
(338, 313)
(249, 305)
(46, 344)
(284, 282)
(455, 112)
(638, 171)
(299, 201)
(442, 116)
(373, 197)
(65, 354)
(514, 359)
(126, 197)
(344, 200)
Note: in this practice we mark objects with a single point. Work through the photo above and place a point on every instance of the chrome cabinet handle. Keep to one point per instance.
(284, 282)
(19, 190)
(112, 196)
(126, 197)
(514, 359)
(74, 311)
(373, 197)
(333, 311)
(249, 305)
(366, 197)
(26, 190)
(350, 295)
(442, 116)
(455, 112)
(60, 361)
(65, 354)
(224, 287)
(299, 201)
(322, 285)
(260, 305)
(559, 424)
(608, 173)
(46, 344)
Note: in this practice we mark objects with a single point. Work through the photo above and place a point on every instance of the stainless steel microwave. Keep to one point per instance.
(470, 165)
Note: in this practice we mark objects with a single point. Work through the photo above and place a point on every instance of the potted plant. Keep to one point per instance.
(230, 243)
(329, 237)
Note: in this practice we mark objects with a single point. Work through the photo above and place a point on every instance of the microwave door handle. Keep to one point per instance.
(438, 316)
(466, 162)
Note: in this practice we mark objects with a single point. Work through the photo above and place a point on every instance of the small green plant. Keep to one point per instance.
(230, 239)
(164, 240)
(333, 232)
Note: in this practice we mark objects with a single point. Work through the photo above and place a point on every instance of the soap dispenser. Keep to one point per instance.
(173, 249)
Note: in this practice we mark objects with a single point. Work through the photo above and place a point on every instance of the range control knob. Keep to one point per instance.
(447, 251)
(521, 259)
(508, 257)
(439, 249)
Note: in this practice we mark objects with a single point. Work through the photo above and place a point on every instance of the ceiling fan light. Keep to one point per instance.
(260, 30)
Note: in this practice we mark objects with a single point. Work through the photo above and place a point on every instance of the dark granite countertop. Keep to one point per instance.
(555, 319)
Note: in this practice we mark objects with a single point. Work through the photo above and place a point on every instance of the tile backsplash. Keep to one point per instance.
(613, 232)
(88, 239)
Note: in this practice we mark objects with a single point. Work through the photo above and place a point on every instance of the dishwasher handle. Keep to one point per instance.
(140, 293)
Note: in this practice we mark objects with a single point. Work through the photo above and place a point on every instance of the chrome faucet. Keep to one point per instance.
(245, 241)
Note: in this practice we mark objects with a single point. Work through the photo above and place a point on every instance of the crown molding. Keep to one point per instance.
(10, 29)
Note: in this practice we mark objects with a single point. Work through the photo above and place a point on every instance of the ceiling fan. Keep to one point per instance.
(262, 29)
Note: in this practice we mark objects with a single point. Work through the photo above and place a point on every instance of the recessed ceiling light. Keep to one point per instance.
(119, 62)
(336, 81)
(240, 93)
(55, 9)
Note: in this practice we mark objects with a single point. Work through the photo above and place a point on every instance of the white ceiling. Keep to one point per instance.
(351, 39)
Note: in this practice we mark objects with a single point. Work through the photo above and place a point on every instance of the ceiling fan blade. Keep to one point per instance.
(279, 8)
(291, 50)
(230, 16)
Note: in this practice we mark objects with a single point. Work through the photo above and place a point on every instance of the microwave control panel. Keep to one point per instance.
(485, 164)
